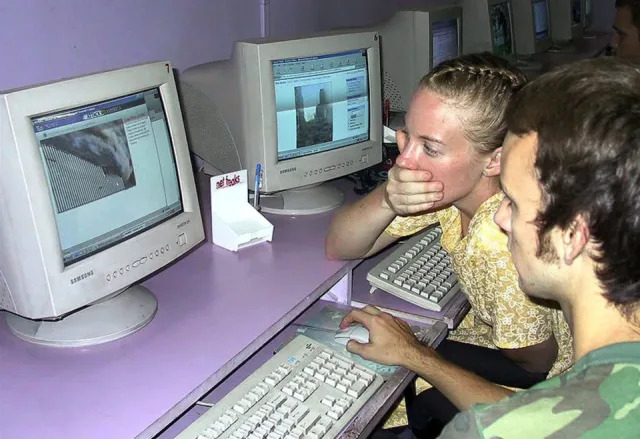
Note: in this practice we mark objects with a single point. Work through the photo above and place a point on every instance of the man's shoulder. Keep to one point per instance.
(600, 399)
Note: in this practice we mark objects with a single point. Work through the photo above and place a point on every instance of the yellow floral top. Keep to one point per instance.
(501, 315)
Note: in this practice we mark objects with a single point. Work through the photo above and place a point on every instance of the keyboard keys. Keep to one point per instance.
(416, 270)
(299, 405)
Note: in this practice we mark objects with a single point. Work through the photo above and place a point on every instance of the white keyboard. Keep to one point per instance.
(418, 271)
(306, 390)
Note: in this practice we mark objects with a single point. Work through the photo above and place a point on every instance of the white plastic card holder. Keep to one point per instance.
(235, 224)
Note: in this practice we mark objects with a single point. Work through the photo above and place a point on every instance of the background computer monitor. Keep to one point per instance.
(531, 26)
(412, 42)
(588, 13)
(307, 110)
(566, 17)
(98, 192)
(488, 26)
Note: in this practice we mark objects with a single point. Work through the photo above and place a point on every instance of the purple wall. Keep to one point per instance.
(44, 40)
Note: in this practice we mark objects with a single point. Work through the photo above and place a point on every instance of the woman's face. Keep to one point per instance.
(434, 140)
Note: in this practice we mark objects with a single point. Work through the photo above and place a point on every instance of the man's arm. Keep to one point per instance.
(392, 342)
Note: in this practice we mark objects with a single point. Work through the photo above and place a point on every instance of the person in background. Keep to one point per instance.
(626, 39)
(448, 173)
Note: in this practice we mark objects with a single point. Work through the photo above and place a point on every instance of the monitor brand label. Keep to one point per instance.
(286, 171)
(83, 276)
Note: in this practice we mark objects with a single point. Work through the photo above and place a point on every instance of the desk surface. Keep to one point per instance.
(215, 309)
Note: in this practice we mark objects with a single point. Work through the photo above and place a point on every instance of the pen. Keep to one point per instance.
(256, 187)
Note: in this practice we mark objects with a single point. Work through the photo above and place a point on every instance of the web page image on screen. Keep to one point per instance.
(322, 103)
(445, 41)
(500, 17)
(541, 19)
(110, 169)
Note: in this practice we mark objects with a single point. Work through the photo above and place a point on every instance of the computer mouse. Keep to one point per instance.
(354, 332)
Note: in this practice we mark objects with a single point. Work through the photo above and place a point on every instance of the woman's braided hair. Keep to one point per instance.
(481, 85)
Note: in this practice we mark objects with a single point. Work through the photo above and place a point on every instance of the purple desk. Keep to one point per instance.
(215, 309)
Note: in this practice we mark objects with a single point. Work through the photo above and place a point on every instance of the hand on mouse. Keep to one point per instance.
(391, 340)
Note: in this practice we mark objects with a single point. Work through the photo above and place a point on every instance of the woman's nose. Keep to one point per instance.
(410, 155)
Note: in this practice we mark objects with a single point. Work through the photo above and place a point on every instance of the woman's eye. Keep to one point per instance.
(429, 150)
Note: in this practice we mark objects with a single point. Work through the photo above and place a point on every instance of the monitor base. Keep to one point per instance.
(307, 200)
(102, 322)
(527, 63)
(566, 48)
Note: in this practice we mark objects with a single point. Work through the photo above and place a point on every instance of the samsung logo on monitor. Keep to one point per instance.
(82, 277)
(286, 171)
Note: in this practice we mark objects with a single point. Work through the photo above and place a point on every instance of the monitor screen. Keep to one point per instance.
(500, 18)
(541, 19)
(576, 12)
(322, 102)
(445, 40)
(110, 169)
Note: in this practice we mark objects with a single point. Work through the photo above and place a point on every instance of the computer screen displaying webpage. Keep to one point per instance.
(541, 19)
(322, 102)
(500, 18)
(445, 40)
(110, 169)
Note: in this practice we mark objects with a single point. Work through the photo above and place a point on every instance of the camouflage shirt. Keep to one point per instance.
(599, 397)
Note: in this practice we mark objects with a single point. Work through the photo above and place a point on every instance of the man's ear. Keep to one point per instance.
(575, 239)
(493, 167)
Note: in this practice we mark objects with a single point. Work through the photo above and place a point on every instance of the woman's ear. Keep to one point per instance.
(493, 167)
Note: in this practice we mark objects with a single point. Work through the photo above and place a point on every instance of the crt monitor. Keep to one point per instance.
(531, 26)
(566, 18)
(96, 181)
(488, 26)
(308, 110)
(412, 43)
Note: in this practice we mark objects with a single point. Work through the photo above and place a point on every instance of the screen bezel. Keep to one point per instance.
(115, 242)
(76, 92)
(259, 82)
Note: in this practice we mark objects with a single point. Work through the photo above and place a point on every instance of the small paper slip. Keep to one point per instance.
(235, 224)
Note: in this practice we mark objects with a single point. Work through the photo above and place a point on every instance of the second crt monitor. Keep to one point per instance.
(567, 20)
(412, 43)
(531, 26)
(489, 27)
(307, 110)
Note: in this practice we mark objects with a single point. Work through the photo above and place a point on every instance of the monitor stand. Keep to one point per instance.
(306, 200)
(527, 63)
(109, 320)
(564, 47)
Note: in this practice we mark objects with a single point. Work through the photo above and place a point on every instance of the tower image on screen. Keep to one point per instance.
(501, 30)
(314, 114)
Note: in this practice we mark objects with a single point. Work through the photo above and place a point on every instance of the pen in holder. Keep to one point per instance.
(256, 187)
